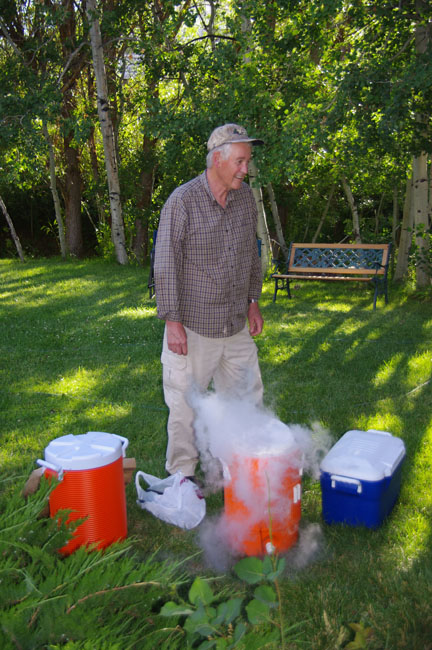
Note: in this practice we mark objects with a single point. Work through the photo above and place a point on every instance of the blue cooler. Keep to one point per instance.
(361, 477)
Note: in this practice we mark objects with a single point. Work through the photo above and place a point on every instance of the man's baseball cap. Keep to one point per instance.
(229, 134)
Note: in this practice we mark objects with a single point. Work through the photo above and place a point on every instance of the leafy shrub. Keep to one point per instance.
(90, 599)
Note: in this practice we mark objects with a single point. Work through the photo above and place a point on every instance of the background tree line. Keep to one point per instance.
(106, 106)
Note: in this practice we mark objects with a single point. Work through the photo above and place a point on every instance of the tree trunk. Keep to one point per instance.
(354, 211)
(277, 221)
(117, 225)
(140, 242)
(420, 165)
(421, 218)
(406, 234)
(395, 220)
(94, 163)
(54, 192)
(378, 214)
(262, 228)
(324, 215)
(72, 197)
(12, 230)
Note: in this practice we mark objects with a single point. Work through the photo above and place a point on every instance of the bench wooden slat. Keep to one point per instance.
(293, 276)
(336, 271)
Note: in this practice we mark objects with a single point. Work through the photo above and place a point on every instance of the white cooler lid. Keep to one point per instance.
(366, 455)
(84, 451)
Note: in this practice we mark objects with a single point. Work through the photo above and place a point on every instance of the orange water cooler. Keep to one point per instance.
(89, 468)
(263, 502)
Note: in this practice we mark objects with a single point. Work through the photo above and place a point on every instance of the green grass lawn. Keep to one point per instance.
(80, 351)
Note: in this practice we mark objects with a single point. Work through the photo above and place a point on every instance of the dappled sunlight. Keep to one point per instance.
(419, 366)
(388, 370)
(136, 313)
(106, 410)
(77, 383)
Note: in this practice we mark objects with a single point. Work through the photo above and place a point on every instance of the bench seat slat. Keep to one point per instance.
(293, 276)
(334, 271)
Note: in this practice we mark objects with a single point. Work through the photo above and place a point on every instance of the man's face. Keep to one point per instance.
(232, 170)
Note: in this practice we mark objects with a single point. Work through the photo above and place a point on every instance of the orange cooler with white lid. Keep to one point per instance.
(89, 468)
(262, 498)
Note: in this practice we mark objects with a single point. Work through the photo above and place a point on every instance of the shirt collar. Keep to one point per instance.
(206, 185)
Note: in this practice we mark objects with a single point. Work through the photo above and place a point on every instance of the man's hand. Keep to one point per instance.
(256, 321)
(176, 337)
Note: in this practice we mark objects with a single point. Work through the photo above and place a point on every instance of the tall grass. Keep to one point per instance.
(80, 351)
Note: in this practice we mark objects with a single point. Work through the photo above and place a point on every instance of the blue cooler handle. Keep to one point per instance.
(54, 468)
(345, 484)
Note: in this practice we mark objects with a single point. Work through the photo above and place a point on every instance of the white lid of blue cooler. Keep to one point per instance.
(84, 451)
(366, 455)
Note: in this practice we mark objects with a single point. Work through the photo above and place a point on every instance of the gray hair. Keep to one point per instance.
(225, 150)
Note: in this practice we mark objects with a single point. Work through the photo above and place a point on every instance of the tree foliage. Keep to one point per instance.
(338, 90)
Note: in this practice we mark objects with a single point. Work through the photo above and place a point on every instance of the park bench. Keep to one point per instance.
(332, 262)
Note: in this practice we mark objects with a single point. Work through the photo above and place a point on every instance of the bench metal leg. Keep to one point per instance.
(275, 290)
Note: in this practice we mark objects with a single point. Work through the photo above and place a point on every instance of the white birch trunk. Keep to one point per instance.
(12, 230)
(117, 225)
(262, 228)
(354, 211)
(54, 192)
(277, 223)
(406, 234)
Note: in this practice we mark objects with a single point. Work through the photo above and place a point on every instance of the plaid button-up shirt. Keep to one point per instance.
(206, 263)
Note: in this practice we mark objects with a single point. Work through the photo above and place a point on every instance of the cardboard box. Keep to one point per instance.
(361, 478)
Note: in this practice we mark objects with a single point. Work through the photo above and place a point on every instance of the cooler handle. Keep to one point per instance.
(297, 493)
(346, 484)
(382, 433)
(125, 442)
(226, 474)
(54, 468)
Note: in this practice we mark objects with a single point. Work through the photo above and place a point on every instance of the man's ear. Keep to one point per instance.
(216, 159)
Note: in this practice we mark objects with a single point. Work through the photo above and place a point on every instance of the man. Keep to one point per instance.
(208, 280)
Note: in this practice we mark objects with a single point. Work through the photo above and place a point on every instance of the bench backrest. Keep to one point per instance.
(362, 259)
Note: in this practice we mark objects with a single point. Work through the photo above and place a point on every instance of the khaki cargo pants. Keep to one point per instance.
(232, 364)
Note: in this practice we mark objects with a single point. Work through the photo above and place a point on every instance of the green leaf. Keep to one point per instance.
(258, 612)
(239, 632)
(266, 594)
(173, 609)
(198, 620)
(250, 569)
(206, 645)
(228, 611)
(269, 563)
(204, 629)
(277, 569)
(200, 592)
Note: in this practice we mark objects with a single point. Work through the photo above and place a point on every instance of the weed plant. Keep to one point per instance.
(80, 351)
